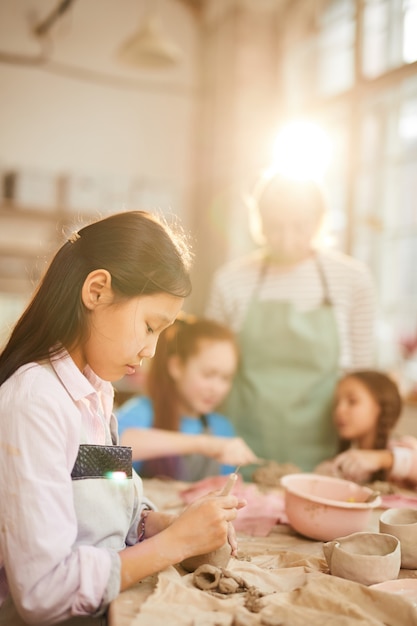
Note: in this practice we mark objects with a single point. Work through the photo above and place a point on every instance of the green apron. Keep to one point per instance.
(282, 396)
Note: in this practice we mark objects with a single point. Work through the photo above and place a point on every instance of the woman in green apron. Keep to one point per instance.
(294, 309)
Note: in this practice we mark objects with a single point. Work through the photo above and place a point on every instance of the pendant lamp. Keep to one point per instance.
(149, 46)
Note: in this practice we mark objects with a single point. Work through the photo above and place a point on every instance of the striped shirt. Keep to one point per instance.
(350, 287)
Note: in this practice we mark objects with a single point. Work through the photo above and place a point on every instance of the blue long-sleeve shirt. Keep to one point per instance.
(138, 413)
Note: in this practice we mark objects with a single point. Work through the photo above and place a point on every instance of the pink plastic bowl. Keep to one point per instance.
(324, 508)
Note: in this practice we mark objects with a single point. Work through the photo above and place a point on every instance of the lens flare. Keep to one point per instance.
(302, 150)
(116, 476)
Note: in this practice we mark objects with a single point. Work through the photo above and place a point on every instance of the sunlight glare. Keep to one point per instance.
(302, 150)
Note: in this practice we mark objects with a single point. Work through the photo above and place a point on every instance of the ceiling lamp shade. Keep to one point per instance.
(149, 47)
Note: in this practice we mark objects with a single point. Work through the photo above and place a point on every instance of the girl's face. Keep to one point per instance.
(356, 412)
(122, 334)
(204, 380)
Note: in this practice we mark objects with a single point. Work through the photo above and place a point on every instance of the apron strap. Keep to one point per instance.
(325, 283)
(327, 301)
(262, 273)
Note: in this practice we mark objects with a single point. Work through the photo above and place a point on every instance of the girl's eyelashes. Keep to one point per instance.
(149, 330)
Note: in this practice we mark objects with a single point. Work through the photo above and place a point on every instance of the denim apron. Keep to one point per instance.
(105, 506)
(282, 396)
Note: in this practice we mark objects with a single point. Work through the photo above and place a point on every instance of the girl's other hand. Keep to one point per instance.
(359, 465)
(204, 525)
(327, 468)
(231, 451)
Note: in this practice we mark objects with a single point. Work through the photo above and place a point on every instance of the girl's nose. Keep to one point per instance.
(222, 388)
(147, 353)
(149, 348)
(340, 409)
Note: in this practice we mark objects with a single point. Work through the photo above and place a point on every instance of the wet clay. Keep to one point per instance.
(221, 582)
(218, 558)
(385, 488)
(208, 577)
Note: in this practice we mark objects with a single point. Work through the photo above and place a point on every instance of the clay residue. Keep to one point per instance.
(270, 474)
(383, 487)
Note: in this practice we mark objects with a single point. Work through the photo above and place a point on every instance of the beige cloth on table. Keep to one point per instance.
(291, 571)
(297, 593)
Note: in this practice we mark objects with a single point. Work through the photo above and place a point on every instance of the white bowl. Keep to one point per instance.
(402, 523)
(324, 508)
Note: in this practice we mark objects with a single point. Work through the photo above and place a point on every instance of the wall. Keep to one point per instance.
(118, 121)
(70, 109)
(236, 126)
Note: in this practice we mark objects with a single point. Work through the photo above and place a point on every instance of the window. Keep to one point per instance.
(372, 114)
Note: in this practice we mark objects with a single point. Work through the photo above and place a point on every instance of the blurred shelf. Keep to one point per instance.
(13, 251)
(28, 237)
(12, 210)
(16, 286)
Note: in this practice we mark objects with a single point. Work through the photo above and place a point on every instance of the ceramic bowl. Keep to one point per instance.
(324, 508)
(402, 523)
(366, 558)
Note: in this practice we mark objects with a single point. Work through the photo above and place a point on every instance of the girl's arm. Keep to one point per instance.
(399, 461)
(358, 465)
(202, 527)
(150, 443)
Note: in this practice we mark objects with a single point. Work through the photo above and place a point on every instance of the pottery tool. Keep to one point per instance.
(231, 481)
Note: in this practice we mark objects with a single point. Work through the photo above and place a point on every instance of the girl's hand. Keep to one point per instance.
(327, 468)
(204, 525)
(231, 451)
(359, 465)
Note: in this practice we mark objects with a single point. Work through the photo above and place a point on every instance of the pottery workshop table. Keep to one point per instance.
(287, 584)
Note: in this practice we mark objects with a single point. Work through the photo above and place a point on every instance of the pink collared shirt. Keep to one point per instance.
(46, 410)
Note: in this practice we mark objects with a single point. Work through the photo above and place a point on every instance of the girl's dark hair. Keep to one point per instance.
(386, 393)
(181, 339)
(140, 251)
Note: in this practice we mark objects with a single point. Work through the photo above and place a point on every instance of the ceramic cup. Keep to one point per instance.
(365, 557)
(402, 523)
